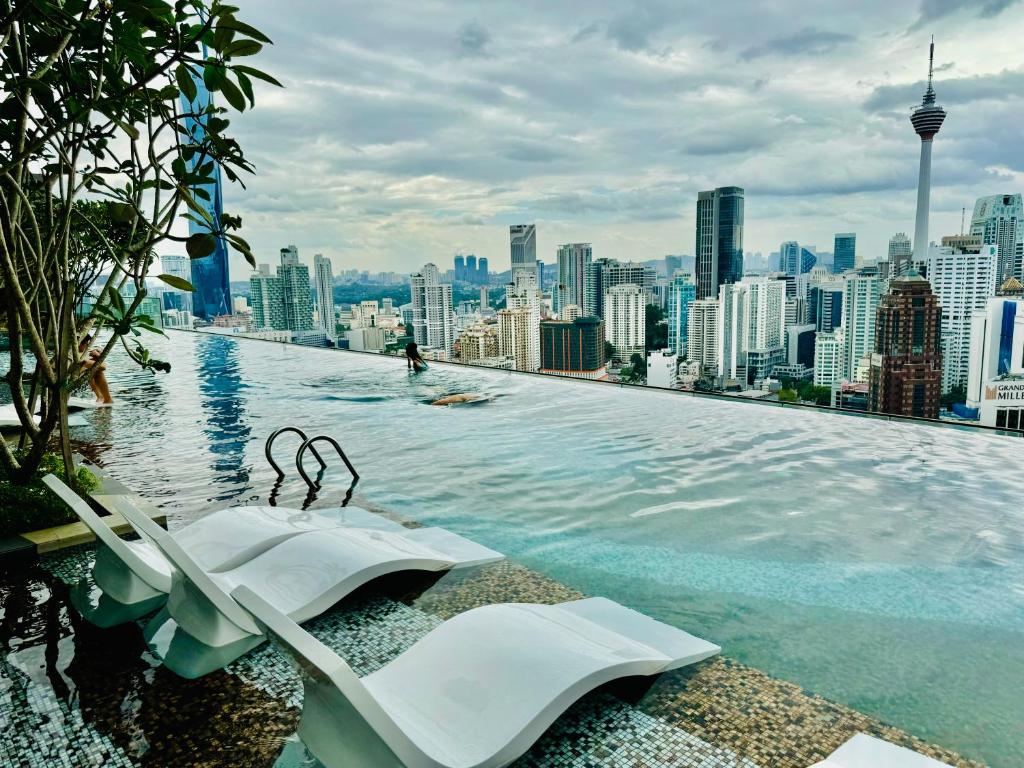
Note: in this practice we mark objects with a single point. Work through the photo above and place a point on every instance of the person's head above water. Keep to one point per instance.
(411, 350)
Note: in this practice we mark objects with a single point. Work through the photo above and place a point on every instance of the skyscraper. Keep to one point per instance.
(825, 304)
(482, 276)
(702, 334)
(523, 245)
(995, 385)
(324, 282)
(266, 295)
(900, 252)
(573, 349)
(999, 220)
(963, 280)
(625, 325)
(433, 321)
(927, 120)
(860, 307)
(681, 291)
(794, 260)
(719, 246)
(460, 267)
(906, 366)
(298, 303)
(828, 358)
(844, 252)
(519, 336)
(179, 266)
(570, 287)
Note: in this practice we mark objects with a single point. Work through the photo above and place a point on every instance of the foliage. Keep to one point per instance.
(788, 396)
(609, 351)
(636, 371)
(956, 395)
(656, 328)
(33, 506)
(104, 145)
(806, 392)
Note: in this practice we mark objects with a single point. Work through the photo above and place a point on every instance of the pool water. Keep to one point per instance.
(879, 564)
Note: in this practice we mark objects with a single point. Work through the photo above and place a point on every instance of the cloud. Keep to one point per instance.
(933, 10)
(808, 41)
(1002, 86)
(472, 39)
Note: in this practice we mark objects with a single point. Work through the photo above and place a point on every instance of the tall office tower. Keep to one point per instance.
(482, 276)
(324, 281)
(460, 267)
(523, 244)
(702, 334)
(625, 325)
(433, 321)
(829, 351)
(800, 345)
(927, 120)
(906, 365)
(794, 260)
(593, 288)
(266, 295)
(573, 348)
(863, 293)
(795, 310)
(540, 276)
(519, 336)
(681, 291)
(844, 252)
(298, 301)
(825, 304)
(478, 341)
(179, 266)
(470, 274)
(719, 246)
(999, 220)
(732, 331)
(570, 287)
(900, 252)
(995, 385)
(963, 282)
(485, 298)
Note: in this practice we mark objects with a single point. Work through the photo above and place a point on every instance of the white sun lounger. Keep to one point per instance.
(9, 418)
(863, 751)
(478, 690)
(134, 577)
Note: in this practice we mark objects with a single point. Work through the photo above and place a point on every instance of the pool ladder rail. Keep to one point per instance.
(308, 444)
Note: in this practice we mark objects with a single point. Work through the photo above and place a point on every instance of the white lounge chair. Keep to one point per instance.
(863, 751)
(134, 577)
(477, 691)
(9, 418)
(302, 577)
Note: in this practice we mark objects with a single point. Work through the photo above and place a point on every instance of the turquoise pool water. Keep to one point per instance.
(878, 564)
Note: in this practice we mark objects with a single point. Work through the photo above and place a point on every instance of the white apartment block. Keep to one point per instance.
(662, 368)
(433, 321)
(702, 334)
(625, 327)
(519, 336)
(861, 297)
(829, 351)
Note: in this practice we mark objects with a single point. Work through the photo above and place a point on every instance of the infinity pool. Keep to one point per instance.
(877, 564)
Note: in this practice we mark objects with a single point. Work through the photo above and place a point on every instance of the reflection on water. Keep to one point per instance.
(879, 564)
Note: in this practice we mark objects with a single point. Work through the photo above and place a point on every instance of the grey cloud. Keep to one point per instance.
(808, 41)
(933, 10)
(472, 39)
(1008, 84)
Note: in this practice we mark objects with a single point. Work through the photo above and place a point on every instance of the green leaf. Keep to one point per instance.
(131, 130)
(213, 76)
(233, 95)
(122, 213)
(200, 244)
(242, 48)
(230, 22)
(185, 82)
(258, 74)
(177, 282)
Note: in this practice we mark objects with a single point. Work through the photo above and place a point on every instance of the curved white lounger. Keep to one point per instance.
(478, 690)
(134, 577)
(863, 751)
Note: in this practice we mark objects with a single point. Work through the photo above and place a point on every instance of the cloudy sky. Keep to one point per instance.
(409, 131)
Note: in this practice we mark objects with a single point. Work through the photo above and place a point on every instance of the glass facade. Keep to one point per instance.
(719, 246)
(844, 251)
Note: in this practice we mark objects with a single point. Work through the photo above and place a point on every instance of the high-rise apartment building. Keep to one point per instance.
(523, 246)
(266, 296)
(573, 349)
(999, 221)
(433, 320)
(829, 353)
(719, 245)
(844, 252)
(323, 279)
(519, 336)
(963, 281)
(702, 334)
(681, 291)
(478, 341)
(603, 274)
(298, 301)
(906, 366)
(900, 253)
(862, 294)
(625, 325)
(570, 287)
(751, 328)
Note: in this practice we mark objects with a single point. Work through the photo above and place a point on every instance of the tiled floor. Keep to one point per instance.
(72, 695)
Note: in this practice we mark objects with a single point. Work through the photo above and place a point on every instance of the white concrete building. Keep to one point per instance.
(964, 282)
(625, 325)
(829, 349)
(433, 321)
(365, 339)
(702, 334)
(519, 336)
(860, 307)
(662, 368)
(995, 383)
(323, 282)
(731, 357)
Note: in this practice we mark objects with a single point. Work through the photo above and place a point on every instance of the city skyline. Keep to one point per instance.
(467, 139)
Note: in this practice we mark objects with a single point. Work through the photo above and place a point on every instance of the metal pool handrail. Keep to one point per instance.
(309, 444)
(305, 441)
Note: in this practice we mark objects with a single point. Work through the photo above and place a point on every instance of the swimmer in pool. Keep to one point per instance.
(462, 397)
(413, 359)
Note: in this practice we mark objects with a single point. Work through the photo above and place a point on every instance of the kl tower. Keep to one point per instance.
(926, 119)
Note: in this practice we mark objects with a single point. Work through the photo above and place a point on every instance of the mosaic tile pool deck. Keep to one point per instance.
(74, 695)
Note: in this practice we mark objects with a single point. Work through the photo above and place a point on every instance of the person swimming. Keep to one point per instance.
(413, 358)
(460, 397)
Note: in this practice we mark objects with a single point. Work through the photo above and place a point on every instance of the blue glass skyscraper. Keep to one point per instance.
(681, 291)
(844, 252)
(212, 296)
